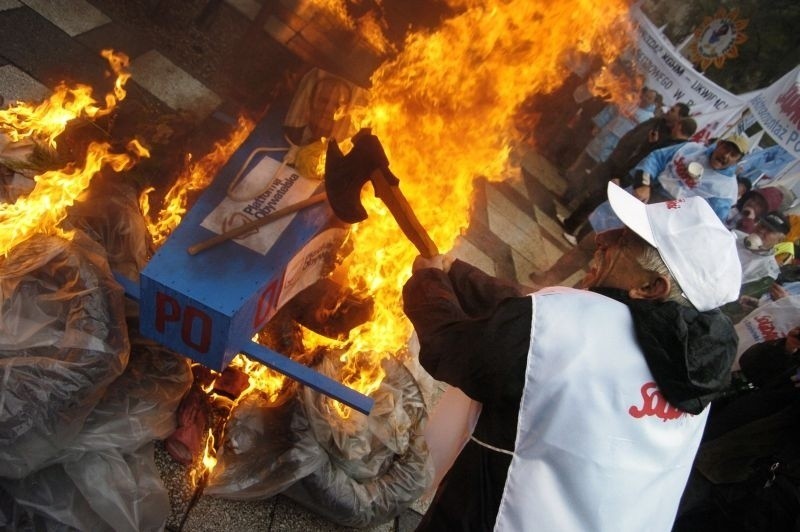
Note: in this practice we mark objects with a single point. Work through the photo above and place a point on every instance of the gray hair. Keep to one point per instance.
(651, 261)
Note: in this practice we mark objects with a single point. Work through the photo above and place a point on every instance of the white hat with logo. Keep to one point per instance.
(698, 249)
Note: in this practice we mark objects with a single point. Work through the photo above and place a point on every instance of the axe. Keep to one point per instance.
(345, 175)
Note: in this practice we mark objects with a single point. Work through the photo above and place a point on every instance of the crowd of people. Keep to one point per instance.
(625, 402)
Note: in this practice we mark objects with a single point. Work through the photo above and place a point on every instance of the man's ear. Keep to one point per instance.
(657, 289)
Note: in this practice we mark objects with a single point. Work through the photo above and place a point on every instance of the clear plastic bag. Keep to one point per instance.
(109, 213)
(358, 472)
(267, 448)
(63, 339)
(79, 406)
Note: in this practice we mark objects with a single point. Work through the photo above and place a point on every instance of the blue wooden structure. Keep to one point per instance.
(208, 306)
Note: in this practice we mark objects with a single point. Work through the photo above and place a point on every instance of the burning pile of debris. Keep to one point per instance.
(84, 395)
(355, 471)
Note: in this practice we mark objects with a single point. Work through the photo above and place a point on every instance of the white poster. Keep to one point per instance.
(267, 187)
(777, 109)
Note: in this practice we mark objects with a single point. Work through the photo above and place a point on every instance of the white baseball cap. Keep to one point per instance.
(698, 249)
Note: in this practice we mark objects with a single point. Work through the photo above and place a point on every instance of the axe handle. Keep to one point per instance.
(398, 205)
(255, 224)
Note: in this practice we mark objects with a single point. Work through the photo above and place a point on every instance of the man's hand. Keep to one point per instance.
(748, 302)
(642, 193)
(776, 291)
(439, 262)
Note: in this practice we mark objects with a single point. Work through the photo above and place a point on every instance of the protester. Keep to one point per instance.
(632, 148)
(760, 267)
(746, 473)
(745, 186)
(612, 123)
(593, 401)
(575, 129)
(676, 172)
(666, 173)
(572, 99)
(754, 204)
(756, 248)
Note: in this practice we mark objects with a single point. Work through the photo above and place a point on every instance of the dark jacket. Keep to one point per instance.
(474, 334)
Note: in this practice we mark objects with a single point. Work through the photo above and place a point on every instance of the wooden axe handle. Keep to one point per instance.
(398, 205)
(255, 224)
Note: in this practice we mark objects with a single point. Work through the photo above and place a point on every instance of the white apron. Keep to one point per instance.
(597, 448)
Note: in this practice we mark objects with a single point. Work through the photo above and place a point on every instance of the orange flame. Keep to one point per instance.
(200, 473)
(54, 191)
(443, 109)
(262, 378)
(209, 454)
(368, 26)
(195, 176)
(49, 119)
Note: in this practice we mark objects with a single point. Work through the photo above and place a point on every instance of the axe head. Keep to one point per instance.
(345, 175)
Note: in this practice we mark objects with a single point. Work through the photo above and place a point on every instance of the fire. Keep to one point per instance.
(209, 457)
(369, 26)
(198, 475)
(443, 109)
(49, 119)
(45, 207)
(261, 377)
(195, 176)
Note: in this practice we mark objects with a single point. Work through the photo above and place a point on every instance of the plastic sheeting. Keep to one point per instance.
(77, 417)
(109, 213)
(357, 472)
(63, 339)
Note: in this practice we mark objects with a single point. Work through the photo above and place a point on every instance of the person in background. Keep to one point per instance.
(745, 186)
(745, 476)
(760, 267)
(665, 173)
(754, 204)
(757, 248)
(575, 127)
(632, 148)
(612, 123)
(590, 398)
(713, 180)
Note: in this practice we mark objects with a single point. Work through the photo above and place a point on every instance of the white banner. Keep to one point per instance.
(718, 123)
(673, 76)
(267, 187)
(777, 109)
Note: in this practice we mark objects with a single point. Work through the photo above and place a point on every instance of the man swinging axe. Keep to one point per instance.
(593, 401)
